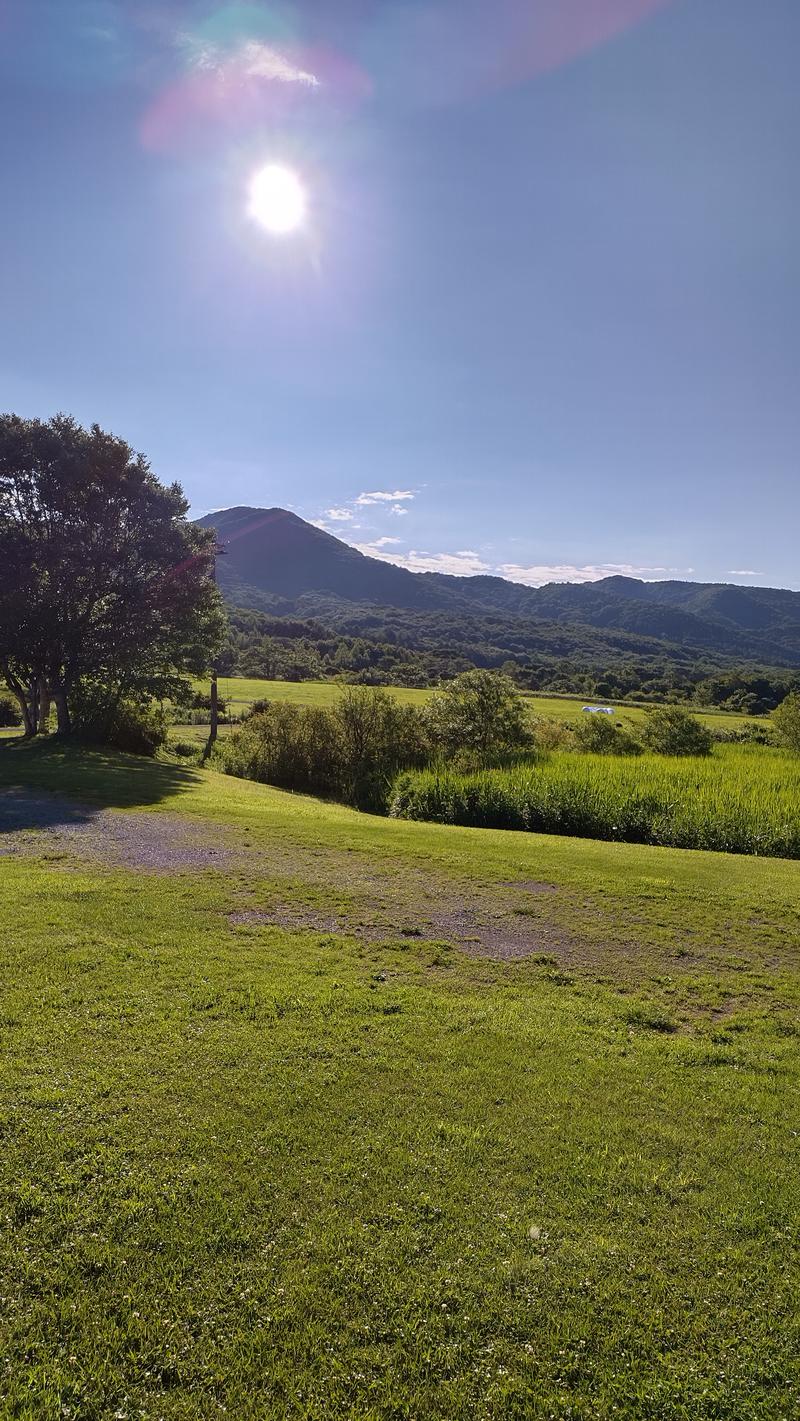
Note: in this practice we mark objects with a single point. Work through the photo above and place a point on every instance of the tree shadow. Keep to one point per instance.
(91, 778)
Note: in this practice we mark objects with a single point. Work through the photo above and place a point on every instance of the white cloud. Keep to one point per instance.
(399, 495)
(398, 510)
(252, 60)
(743, 572)
(462, 564)
(387, 543)
(541, 573)
(339, 515)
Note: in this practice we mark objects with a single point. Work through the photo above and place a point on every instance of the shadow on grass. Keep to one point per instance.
(96, 778)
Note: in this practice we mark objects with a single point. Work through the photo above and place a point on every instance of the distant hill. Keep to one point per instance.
(276, 562)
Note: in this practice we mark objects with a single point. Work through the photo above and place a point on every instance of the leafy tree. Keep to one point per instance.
(377, 737)
(786, 720)
(671, 730)
(103, 581)
(480, 712)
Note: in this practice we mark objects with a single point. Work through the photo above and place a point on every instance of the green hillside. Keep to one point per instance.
(275, 562)
(307, 1113)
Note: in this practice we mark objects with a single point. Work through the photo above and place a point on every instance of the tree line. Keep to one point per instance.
(392, 647)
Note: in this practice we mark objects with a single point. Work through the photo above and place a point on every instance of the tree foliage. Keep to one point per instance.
(480, 712)
(671, 730)
(103, 581)
(352, 750)
(786, 720)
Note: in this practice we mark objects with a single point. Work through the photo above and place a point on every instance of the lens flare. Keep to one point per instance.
(278, 200)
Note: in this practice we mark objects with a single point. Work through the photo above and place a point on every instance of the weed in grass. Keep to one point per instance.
(643, 1016)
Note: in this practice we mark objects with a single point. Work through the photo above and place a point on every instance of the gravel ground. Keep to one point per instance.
(49, 824)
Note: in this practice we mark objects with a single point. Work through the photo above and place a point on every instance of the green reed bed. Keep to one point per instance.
(742, 799)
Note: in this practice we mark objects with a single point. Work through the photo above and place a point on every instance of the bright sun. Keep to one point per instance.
(278, 200)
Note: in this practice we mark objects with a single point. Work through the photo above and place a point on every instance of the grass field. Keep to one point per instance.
(742, 799)
(239, 693)
(267, 1152)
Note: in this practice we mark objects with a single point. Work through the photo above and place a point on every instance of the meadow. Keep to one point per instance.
(274, 1148)
(742, 799)
(239, 694)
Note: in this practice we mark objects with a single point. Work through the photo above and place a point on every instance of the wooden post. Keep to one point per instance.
(214, 726)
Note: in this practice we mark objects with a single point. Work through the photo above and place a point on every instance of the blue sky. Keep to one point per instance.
(544, 314)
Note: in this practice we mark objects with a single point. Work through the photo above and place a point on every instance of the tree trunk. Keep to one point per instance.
(33, 702)
(27, 723)
(62, 710)
(44, 706)
(17, 689)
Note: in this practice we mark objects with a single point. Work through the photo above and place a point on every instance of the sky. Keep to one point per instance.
(542, 315)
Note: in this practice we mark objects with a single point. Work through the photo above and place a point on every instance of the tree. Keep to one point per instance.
(786, 719)
(105, 587)
(480, 712)
(671, 730)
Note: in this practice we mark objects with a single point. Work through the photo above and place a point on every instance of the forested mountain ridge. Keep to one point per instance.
(277, 563)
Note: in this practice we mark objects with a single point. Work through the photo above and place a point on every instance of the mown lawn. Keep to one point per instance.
(264, 1173)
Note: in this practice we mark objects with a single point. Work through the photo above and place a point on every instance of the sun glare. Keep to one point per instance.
(278, 200)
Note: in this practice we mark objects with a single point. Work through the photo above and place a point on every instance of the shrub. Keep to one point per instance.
(352, 750)
(10, 714)
(549, 734)
(480, 712)
(671, 730)
(137, 727)
(183, 748)
(747, 734)
(598, 735)
(786, 720)
(200, 702)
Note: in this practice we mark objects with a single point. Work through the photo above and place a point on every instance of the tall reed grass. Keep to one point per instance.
(741, 800)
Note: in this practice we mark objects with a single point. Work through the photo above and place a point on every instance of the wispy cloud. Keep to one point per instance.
(743, 572)
(399, 495)
(339, 515)
(541, 573)
(251, 60)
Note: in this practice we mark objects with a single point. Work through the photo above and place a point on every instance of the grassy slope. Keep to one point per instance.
(240, 692)
(287, 1174)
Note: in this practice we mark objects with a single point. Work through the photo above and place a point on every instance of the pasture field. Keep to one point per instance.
(312, 1114)
(741, 799)
(240, 693)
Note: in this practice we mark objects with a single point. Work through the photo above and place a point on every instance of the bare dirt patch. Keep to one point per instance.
(481, 919)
